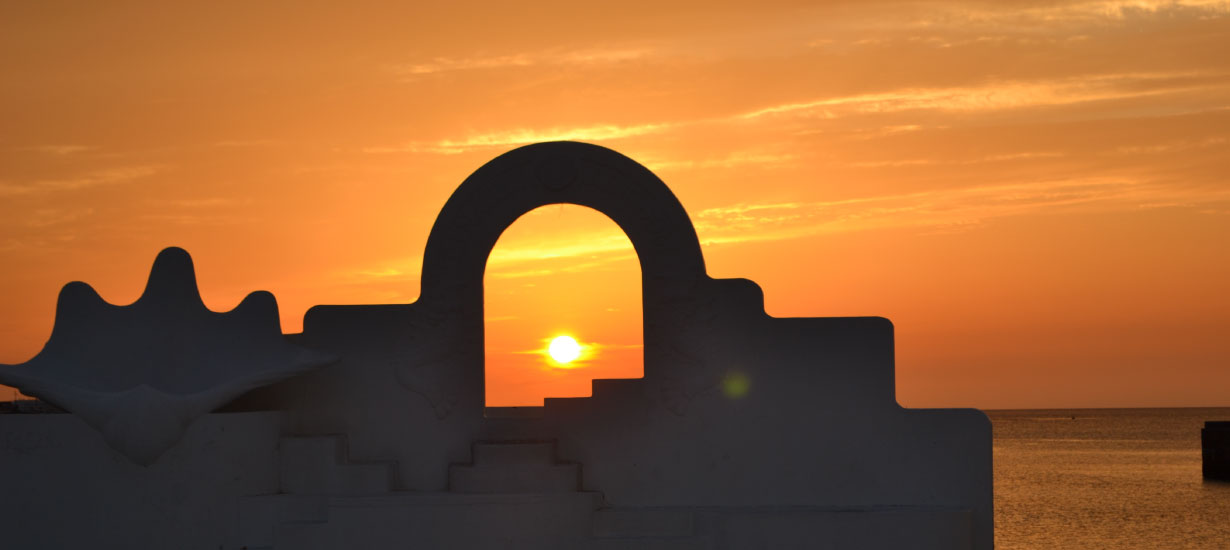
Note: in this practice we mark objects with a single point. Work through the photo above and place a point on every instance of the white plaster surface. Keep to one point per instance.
(141, 374)
(62, 487)
(389, 446)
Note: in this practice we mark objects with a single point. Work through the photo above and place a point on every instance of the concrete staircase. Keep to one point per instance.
(321, 465)
(513, 494)
(443, 520)
(519, 495)
(645, 529)
(512, 467)
(269, 521)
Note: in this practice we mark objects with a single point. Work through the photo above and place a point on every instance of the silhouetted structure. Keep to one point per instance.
(1215, 450)
(368, 429)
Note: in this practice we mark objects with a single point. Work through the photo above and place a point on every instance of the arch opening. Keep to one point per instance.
(562, 306)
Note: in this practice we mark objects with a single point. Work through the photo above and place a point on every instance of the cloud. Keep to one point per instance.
(204, 202)
(44, 218)
(103, 177)
(593, 56)
(1047, 17)
(563, 253)
(591, 348)
(1018, 94)
(988, 97)
(728, 161)
(383, 273)
(954, 208)
(1180, 145)
(574, 246)
(522, 136)
(58, 149)
(247, 143)
(936, 210)
(569, 263)
(198, 219)
(938, 162)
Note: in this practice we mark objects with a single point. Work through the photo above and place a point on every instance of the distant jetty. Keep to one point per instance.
(1215, 445)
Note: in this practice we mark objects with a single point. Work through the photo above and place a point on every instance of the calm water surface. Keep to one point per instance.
(1109, 479)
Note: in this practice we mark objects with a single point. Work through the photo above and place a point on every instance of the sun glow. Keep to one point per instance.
(564, 349)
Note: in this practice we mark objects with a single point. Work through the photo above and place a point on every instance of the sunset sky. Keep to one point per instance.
(1037, 194)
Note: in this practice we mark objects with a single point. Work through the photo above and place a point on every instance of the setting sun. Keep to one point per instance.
(564, 349)
(561, 277)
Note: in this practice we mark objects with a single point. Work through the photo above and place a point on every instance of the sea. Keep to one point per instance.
(1108, 479)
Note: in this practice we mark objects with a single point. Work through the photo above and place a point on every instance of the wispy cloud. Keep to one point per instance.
(247, 143)
(1170, 147)
(964, 207)
(729, 161)
(591, 56)
(1002, 95)
(204, 202)
(574, 246)
(988, 97)
(522, 136)
(591, 352)
(1103, 10)
(383, 273)
(196, 219)
(399, 271)
(577, 262)
(58, 149)
(44, 218)
(1028, 155)
(943, 210)
(564, 253)
(103, 177)
(1046, 17)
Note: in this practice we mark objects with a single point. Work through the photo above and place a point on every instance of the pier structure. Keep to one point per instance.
(1215, 450)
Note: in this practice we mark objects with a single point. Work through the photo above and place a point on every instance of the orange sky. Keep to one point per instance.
(1034, 192)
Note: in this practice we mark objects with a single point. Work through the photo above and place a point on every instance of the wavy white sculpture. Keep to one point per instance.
(141, 373)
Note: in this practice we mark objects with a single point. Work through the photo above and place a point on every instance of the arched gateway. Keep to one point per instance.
(747, 431)
(537, 175)
(513, 184)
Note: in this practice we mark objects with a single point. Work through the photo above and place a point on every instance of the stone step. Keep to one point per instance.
(556, 521)
(566, 407)
(305, 536)
(492, 453)
(313, 465)
(649, 543)
(514, 478)
(619, 390)
(643, 522)
(260, 516)
(303, 509)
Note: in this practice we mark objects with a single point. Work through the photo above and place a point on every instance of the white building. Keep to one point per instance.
(194, 429)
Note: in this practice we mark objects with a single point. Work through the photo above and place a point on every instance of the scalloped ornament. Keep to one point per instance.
(141, 374)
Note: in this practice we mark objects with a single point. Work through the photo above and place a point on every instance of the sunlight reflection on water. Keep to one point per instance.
(1112, 479)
